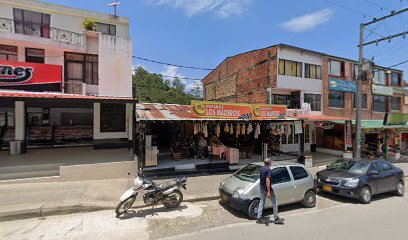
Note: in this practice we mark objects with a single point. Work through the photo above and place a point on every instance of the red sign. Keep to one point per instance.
(269, 111)
(348, 135)
(24, 73)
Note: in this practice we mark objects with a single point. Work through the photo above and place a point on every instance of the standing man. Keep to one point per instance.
(267, 192)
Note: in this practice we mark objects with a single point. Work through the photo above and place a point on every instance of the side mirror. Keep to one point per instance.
(374, 173)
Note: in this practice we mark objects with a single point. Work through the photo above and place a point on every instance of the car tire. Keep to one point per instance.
(400, 191)
(309, 200)
(365, 195)
(252, 210)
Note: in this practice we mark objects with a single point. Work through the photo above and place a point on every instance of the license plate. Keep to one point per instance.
(327, 188)
(224, 197)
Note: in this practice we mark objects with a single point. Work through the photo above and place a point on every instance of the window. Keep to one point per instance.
(298, 173)
(363, 103)
(104, 28)
(281, 100)
(314, 100)
(280, 175)
(32, 23)
(374, 167)
(336, 99)
(290, 68)
(313, 71)
(379, 77)
(113, 117)
(395, 79)
(379, 103)
(307, 134)
(8, 52)
(336, 68)
(81, 67)
(34, 55)
(355, 71)
(396, 103)
(385, 166)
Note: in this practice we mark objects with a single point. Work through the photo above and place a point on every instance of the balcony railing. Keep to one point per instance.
(41, 30)
(74, 87)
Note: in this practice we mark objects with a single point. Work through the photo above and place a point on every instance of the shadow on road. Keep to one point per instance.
(154, 211)
(342, 199)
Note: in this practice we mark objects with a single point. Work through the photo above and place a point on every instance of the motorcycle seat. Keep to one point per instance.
(163, 186)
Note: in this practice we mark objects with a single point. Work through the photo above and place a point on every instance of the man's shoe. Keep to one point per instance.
(260, 221)
(279, 220)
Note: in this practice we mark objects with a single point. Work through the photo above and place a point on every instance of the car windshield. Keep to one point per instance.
(359, 168)
(341, 165)
(249, 173)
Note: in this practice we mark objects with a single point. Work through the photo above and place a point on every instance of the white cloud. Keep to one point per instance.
(171, 72)
(308, 21)
(221, 8)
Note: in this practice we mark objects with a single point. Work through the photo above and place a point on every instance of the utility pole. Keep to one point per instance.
(361, 73)
(115, 5)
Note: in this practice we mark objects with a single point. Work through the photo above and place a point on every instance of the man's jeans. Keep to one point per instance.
(262, 204)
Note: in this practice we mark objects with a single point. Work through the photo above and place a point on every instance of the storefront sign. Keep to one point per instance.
(23, 73)
(342, 85)
(382, 90)
(324, 125)
(269, 111)
(348, 139)
(391, 119)
(201, 109)
(298, 127)
(398, 89)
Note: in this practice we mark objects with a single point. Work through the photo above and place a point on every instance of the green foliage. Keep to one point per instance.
(89, 24)
(153, 88)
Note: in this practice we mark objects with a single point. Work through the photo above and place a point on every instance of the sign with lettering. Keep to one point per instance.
(348, 138)
(23, 73)
(201, 109)
(263, 111)
(342, 85)
(382, 90)
(324, 125)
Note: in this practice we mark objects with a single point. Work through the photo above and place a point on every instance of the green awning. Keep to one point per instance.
(377, 124)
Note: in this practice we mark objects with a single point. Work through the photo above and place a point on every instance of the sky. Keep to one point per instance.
(202, 33)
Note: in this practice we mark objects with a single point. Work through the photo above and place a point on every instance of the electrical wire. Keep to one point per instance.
(171, 64)
(403, 62)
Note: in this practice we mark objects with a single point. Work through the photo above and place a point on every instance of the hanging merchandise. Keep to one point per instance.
(289, 129)
(231, 129)
(205, 130)
(195, 128)
(282, 129)
(218, 130)
(226, 128)
(249, 128)
(243, 129)
(257, 131)
(238, 130)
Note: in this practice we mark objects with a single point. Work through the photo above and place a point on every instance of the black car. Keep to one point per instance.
(361, 179)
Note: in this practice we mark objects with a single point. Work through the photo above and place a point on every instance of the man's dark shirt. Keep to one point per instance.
(265, 172)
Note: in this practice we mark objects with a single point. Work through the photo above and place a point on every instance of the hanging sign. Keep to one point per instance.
(392, 119)
(342, 85)
(298, 127)
(201, 109)
(324, 125)
(269, 111)
(348, 139)
(382, 90)
(23, 73)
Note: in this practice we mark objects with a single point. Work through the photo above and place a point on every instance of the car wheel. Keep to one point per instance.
(365, 195)
(253, 209)
(309, 200)
(400, 189)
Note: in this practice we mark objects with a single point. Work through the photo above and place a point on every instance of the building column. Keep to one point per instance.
(20, 121)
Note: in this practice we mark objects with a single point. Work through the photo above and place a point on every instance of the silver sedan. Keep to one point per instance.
(291, 183)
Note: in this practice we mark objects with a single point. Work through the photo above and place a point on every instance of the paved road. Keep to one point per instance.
(383, 219)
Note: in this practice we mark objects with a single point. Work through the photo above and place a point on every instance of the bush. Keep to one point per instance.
(89, 24)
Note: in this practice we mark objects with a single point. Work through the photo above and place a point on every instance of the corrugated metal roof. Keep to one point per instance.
(56, 95)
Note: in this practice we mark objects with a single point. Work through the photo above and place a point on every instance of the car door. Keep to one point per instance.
(387, 176)
(301, 181)
(282, 185)
(375, 180)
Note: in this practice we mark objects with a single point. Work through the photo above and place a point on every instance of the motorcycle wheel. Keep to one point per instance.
(125, 205)
(173, 200)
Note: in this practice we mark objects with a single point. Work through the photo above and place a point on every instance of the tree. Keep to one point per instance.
(197, 91)
(148, 87)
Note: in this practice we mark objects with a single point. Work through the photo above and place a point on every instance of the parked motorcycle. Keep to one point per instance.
(167, 193)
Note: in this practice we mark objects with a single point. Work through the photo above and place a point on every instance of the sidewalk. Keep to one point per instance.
(26, 200)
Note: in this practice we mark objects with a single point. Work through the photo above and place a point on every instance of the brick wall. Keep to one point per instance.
(248, 76)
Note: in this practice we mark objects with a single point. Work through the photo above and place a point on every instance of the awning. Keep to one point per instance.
(376, 124)
(322, 118)
(58, 95)
(176, 112)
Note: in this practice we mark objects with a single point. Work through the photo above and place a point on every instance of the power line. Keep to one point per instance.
(406, 61)
(171, 64)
